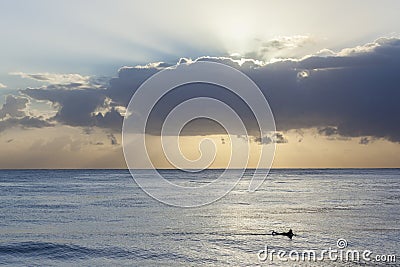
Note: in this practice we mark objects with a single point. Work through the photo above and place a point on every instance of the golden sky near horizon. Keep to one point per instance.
(68, 147)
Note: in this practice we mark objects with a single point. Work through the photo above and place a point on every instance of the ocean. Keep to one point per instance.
(102, 218)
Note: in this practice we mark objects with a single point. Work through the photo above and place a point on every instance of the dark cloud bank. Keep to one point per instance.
(12, 114)
(354, 93)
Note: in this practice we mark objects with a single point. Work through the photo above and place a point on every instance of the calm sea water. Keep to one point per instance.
(101, 218)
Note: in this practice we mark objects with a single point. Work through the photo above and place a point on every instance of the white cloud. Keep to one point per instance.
(54, 78)
(2, 86)
(288, 42)
(295, 46)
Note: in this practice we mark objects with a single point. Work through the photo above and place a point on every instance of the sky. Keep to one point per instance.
(329, 70)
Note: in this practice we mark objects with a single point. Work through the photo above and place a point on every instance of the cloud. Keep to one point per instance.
(366, 140)
(276, 138)
(113, 139)
(286, 42)
(12, 114)
(78, 107)
(351, 93)
(2, 86)
(13, 107)
(75, 106)
(284, 47)
(123, 87)
(97, 143)
(328, 131)
(24, 122)
(54, 78)
(355, 93)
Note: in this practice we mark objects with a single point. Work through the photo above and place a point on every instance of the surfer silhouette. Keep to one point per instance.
(288, 234)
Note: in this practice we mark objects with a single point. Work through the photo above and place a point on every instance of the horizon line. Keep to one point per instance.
(174, 169)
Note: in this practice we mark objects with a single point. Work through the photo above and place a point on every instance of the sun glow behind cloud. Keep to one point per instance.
(82, 39)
